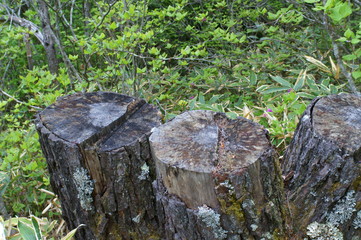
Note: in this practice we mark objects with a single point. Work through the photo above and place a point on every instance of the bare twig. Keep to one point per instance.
(18, 101)
(70, 66)
(71, 13)
(103, 18)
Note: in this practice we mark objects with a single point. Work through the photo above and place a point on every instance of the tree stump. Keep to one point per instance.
(322, 167)
(96, 146)
(217, 179)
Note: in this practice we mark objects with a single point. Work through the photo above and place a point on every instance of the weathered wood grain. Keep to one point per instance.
(323, 165)
(96, 146)
(217, 178)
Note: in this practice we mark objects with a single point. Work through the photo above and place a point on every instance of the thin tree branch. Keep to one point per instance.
(103, 18)
(25, 23)
(66, 59)
(71, 13)
(18, 101)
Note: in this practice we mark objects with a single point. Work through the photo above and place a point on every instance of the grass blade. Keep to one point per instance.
(282, 81)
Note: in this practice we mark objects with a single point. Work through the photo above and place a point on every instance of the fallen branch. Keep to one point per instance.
(25, 23)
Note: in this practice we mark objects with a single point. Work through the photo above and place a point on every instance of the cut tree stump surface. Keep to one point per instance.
(209, 163)
(199, 145)
(322, 165)
(96, 146)
(77, 118)
(338, 118)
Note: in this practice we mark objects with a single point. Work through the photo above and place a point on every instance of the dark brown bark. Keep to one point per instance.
(100, 165)
(49, 43)
(322, 165)
(217, 179)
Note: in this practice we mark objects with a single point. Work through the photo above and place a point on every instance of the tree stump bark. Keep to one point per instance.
(97, 150)
(322, 168)
(217, 179)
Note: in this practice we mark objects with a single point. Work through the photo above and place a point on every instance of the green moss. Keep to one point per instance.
(278, 234)
(334, 187)
(356, 185)
(233, 207)
(151, 234)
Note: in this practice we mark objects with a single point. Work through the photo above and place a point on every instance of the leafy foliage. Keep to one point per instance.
(263, 60)
(32, 228)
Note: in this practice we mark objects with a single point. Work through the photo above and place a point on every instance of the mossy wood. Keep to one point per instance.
(96, 146)
(217, 179)
(322, 166)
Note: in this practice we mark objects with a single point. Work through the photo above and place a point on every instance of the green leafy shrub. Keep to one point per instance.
(263, 60)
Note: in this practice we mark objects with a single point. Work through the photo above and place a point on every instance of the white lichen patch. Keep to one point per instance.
(85, 187)
(267, 236)
(136, 219)
(357, 221)
(228, 185)
(323, 231)
(254, 227)
(212, 220)
(144, 172)
(340, 214)
(343, 210)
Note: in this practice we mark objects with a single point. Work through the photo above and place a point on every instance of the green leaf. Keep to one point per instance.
(179, 16)
(262, 88)
(154, 51)
(312, 84)
(356, 74)
(311, 1)
(26, 232)
(101, 36)
(71, 233)
(253, 79)
(299, 83)
(355, 41)
(349, 34)
(275, 89)
(340, 11)
(113, 26)
(282, 81)
(349, 57)
(3, 104)
(306, 95)
(342, 39)
(333, 89)
(186, 51)
(73, 57)
(272, 16)
(36, 228)
(242, 39)
(141, 70)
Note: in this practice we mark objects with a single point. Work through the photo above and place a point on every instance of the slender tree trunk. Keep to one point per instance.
(29, 52)
(86, 14)
(49, 43)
